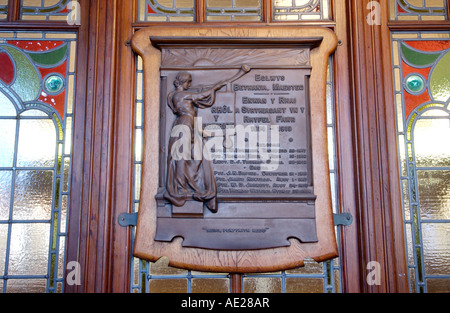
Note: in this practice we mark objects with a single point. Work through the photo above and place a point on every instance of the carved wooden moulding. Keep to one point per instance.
(235, 172)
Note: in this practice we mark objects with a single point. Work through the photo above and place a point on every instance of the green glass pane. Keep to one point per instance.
(26, 83)
(33, 195)
(37, 143)
(440, 79)
(50, 58)
(417, 58)
(7, 142)
(29, 250)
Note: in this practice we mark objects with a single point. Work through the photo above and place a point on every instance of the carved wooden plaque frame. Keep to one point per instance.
(158, 48)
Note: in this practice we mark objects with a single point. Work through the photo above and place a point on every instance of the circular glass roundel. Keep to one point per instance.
(415, 84)
(54, 84)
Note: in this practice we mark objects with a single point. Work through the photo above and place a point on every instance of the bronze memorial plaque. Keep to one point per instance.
(235, 158)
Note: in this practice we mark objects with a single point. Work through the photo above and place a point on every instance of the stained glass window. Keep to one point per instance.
(422, 94)
(36, 109)
(3, 9)
(301, 10)
(166, 10)
(47, 10)
(233, 10)
(418, 9)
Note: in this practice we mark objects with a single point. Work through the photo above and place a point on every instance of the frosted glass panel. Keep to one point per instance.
(37, 143)
(7, 141)
(33, 195)
(5, 192)
(434, 194)
(430, 148)
(421, 82)
(29, 249)
(436, 248)
(27, 285)
(38, 80)
(413, 10)
(262, 285)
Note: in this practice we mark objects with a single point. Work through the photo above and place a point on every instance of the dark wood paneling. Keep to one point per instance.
(91, 218)
(380, 215)
(349, 250)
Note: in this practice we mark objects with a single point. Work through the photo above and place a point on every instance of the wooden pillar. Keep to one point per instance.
(379, 216)
(102, 149)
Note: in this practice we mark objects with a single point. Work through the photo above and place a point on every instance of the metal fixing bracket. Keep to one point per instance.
(343, 219)
(127, 219)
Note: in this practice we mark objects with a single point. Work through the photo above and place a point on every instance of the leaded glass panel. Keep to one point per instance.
(422, 94)
(36, 86)
(3, 9)
(166, 10)
(47, 10)
(233, 10)
(423, 10)
(301, 10)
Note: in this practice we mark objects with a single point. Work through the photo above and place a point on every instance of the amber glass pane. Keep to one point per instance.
(436, 248)
(434, 194)
(262, 284)
(304, 285)
(210, 285)
(438, 285)
(167, 285)
(3, 9)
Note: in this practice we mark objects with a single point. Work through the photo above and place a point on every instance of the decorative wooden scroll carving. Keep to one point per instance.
(235, 174)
